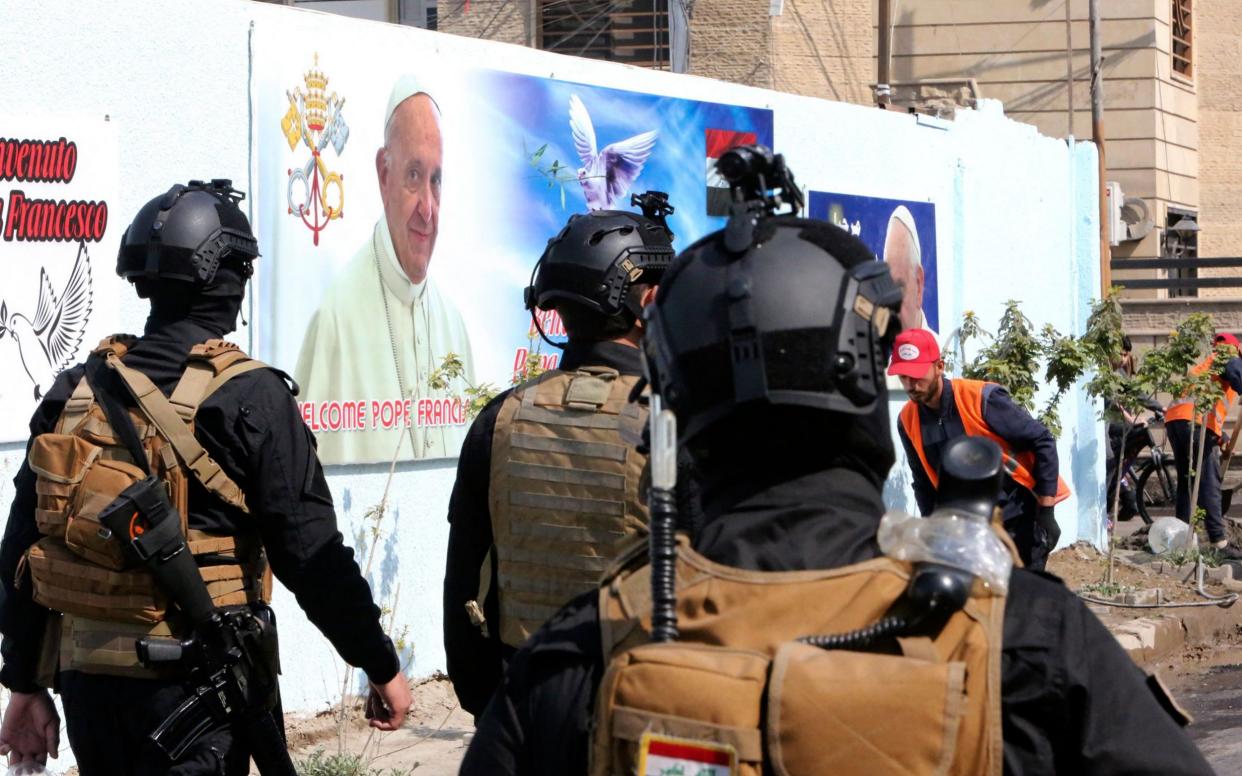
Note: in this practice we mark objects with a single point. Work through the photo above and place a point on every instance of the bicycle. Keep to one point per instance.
(1147, 486)
(1156, 480)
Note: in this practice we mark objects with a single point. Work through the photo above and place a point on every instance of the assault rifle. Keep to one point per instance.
(230, 657)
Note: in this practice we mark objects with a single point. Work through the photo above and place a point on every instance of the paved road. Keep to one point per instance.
(1214, 699)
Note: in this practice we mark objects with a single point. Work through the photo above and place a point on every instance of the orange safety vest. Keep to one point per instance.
(1184, 408)
(968, 396)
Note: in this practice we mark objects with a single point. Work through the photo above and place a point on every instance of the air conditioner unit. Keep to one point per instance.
(1136, 215)
(1129, 218)
(1116, 227)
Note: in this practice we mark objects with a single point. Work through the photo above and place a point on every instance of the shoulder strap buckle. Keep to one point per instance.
(212, 348)
(116, 343)
(217, 354)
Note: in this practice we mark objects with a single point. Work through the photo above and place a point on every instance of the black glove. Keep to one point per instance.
(1046, 519)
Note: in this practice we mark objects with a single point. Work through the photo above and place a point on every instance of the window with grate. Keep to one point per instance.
(1181, 241)
(635, 32)
(1183, 38)
(417, 13)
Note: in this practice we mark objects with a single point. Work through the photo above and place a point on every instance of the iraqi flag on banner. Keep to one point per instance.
(720, 142)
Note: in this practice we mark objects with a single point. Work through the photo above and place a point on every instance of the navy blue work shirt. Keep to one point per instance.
(1008, 421)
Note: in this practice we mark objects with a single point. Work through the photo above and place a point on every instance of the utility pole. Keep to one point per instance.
(1069, 63)
(1097, 134)
(884, 55)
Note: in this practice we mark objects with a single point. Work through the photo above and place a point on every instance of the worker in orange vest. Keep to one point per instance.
(1185, 443)
(941, 409)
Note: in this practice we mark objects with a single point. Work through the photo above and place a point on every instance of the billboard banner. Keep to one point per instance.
(402, 204)
(900, 232)
(58, 238)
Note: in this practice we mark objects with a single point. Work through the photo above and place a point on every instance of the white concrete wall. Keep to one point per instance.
(1015, 220)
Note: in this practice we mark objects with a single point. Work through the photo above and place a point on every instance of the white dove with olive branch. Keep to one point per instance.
(606, 176)
(49, 343)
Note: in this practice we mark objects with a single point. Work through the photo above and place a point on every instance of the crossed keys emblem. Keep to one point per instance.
(314, 119)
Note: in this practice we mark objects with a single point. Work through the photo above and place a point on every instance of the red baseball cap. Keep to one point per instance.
(1228, 339)
(914, 351)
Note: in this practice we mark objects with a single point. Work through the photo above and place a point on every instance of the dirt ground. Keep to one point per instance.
(1082, 567)
(432, 742)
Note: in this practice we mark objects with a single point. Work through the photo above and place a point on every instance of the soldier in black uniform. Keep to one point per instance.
(189, 252)
(769, 340)
(598, 273)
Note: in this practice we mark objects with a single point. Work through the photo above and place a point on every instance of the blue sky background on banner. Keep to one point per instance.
(872, 214)
(529, 112)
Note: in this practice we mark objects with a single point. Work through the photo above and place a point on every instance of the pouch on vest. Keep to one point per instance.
(84, 533)
(868, 699)
(705, 694)
(74, 483)
(60, 462)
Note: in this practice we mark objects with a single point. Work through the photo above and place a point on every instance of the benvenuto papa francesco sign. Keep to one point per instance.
(58, 182)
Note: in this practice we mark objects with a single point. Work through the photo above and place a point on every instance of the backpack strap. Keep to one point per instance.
(79, 402)
(177, 431)
(211, 364)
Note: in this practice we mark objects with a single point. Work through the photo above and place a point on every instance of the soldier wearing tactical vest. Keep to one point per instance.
(547, 490)
(768, 342)
(221, 433)
(1184, 439)
(941, 410)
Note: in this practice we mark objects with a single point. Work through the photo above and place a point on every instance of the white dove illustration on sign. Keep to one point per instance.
(606, 176)
(49, 343)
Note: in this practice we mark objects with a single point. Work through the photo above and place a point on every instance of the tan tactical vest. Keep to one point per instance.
(564, 491)
(78, 567)
(738, 686)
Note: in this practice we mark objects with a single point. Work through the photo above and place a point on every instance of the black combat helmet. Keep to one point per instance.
(600, 256)
(185, 234)
(773, 309)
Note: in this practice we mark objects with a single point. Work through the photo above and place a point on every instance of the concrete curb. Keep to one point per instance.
(1166, 632)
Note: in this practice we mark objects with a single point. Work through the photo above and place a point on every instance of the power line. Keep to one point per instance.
(487, 28)
(610, 8)
(564, 42)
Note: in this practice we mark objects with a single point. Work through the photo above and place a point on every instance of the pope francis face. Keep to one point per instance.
(906, 266)
(409, 177)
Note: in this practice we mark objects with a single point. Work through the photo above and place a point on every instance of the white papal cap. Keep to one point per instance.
(903, 216)
(406, 87)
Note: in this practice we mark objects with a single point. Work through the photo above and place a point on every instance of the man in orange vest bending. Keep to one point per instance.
(941, 410)
(1185, 443)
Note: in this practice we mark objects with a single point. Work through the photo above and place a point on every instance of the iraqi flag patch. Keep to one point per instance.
(662, 755)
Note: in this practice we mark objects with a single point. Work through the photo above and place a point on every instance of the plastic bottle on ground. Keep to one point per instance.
(1169, 533)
